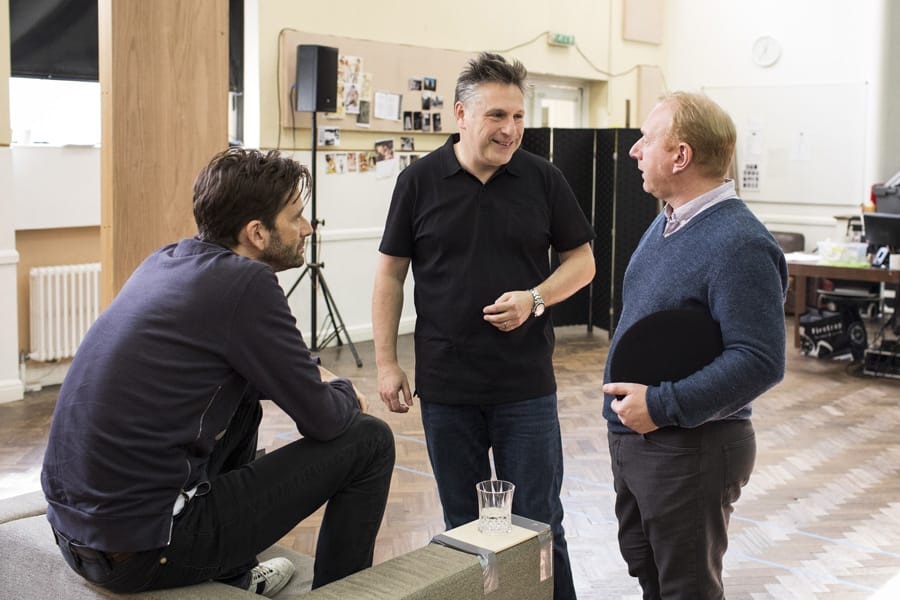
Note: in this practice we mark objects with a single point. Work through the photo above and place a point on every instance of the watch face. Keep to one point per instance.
(538, 310)
(766, 51)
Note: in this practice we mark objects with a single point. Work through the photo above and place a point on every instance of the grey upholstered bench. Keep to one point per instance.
(31, 568)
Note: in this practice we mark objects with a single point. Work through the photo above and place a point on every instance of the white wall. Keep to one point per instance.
(827, 45)
(55, 186)
(353, 207)
(11, 387)
(887, 126)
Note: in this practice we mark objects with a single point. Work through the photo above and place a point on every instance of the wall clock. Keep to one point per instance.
(766, 51)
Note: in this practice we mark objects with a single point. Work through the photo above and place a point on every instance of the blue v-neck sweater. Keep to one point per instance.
(723, 259)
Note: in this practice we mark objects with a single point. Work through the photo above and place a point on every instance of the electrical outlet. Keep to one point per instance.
(560, 39)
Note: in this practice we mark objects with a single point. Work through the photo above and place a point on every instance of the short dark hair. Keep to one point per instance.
(488, 67)
(240, 185)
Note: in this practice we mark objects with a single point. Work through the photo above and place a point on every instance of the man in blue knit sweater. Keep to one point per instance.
(682, 450)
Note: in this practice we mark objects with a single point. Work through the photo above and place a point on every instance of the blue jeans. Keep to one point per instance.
(527, 450)
(251, 504)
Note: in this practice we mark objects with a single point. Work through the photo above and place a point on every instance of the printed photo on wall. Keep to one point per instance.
(429, 83)
(365, 113)
(351, 99)
(384, 149)
(417, 121)
(329, 136)
(365, 87)
(415, 84)
(436, 122)
(404, 162)
(349, 68)
(330, 164)
(407, 144)
(426, 122)
(367, 161)
(407, 120)
(437, 102)
(352, 165)
(340, 163)
(385, 162)
(426, 100)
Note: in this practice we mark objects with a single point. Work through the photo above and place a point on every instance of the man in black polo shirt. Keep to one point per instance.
(476, 219)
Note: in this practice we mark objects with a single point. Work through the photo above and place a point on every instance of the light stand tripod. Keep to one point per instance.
(314, 268)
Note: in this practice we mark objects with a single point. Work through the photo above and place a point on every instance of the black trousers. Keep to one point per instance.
(251, 504)
(675, 490)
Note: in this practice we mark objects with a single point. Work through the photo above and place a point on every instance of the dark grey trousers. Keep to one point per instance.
(675, 490)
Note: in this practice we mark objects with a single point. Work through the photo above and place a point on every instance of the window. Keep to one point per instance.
(54, 91)
(556, 103)
(53, 112)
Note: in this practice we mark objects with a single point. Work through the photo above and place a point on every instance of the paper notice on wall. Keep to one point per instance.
(752, 157)
(754, 143)
(750, 177)
(387, 106)
(800, 150)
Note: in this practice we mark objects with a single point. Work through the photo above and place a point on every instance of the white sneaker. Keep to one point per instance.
(268, 578)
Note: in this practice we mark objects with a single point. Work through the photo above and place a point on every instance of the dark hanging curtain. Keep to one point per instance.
(54, 39)
(236, 45)
(609, 188)
(58, 39)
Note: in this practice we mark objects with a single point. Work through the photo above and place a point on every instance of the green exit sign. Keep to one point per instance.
(560, 39)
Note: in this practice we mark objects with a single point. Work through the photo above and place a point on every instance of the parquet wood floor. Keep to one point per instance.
(819, 520)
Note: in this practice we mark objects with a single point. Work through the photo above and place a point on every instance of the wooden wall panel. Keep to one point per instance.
(164, 93)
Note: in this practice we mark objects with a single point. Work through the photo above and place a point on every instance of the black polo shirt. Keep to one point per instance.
(469, 243)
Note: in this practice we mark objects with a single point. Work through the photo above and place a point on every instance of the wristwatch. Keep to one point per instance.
(538, 309)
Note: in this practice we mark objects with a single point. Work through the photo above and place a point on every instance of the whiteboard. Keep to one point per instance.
(800, 143)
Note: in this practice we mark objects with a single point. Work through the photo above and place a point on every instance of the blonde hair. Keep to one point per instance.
(706, 128)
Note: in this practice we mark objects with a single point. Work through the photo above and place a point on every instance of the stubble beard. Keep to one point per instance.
(281, 256)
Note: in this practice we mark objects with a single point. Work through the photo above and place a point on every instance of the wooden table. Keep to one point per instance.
(801, 271)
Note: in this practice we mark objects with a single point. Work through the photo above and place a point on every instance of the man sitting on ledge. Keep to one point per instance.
(149, 471)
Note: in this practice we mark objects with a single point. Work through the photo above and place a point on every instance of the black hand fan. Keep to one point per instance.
(665, 346)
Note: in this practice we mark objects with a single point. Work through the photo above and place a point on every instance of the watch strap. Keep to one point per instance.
(538, 300)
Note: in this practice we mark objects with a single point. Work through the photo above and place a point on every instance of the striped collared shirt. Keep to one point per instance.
(678, 217)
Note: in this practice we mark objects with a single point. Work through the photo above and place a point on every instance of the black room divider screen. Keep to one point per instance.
(609, 188)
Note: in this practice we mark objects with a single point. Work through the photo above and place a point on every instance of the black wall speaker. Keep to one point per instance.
(316, 78)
